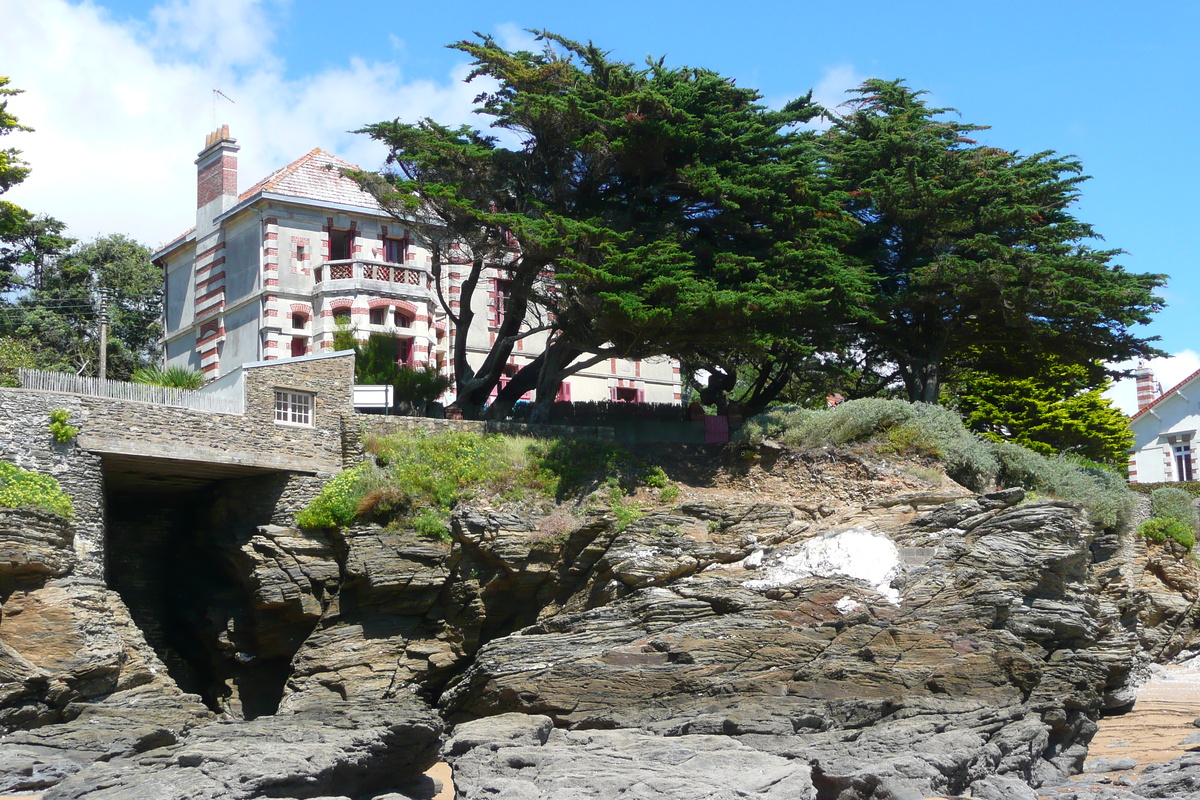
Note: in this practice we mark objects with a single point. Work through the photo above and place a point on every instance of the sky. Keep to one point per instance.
(121, 93)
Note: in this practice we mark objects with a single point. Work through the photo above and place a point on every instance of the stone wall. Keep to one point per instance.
(129, 428)
(25, 440)
(255, 438)
(357, 426)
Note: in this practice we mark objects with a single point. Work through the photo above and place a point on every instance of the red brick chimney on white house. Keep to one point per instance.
(1148, 389)
(216, 175)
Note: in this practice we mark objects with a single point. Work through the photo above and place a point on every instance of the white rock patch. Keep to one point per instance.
(855, 553)
(847, 605)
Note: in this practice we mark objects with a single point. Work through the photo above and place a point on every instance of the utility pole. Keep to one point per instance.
(103, 372)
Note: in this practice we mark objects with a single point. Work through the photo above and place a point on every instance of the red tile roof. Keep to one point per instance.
(316, 175)
(1166, 394)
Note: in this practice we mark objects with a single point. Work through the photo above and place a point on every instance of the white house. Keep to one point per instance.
(268, 273)
(1164, 430)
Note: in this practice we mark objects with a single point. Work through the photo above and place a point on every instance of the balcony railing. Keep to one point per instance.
(372, 271)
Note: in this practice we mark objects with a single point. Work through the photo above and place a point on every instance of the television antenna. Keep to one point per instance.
(217, 92)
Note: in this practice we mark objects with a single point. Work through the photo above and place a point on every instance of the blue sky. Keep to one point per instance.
(120, 91)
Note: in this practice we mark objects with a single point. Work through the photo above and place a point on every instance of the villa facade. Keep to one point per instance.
(271, 272)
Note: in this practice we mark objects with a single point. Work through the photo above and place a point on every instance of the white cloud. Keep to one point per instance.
(513, 37)
(1168, 371)
(122, 108)
(830, 92)
(835, 82)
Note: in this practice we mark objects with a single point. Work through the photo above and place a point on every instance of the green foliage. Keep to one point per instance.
(1054, 408)
(657, 209)
(420, 478)
(1159, 529)
(419, 386)
(971, 247)
(57, 309)
(174, 377)
(924, 430)
(59, 429)
(20, 488)
(895, 426)
(13, 169)
(375, 363)
(1172, 503)
(337, 504)
(1191, 487)
(14, 355)
(1104, 493)
(1173, 516)
(625, 511)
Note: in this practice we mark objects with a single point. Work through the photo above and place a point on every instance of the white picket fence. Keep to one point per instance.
(198, 399)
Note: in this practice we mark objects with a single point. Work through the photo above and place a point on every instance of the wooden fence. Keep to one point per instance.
(199, 400)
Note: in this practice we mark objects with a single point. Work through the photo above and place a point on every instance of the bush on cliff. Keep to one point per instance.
(24, 489)
(932, 431)
(1173, 516)
(417, 478)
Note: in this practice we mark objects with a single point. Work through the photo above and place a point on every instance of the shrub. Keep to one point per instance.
(1159, 529)
(173, 377)
(895, 426)
(1169, 502)
(24, 489)
(922, 429)
(419, 478)
(337, 504)
(59, 429)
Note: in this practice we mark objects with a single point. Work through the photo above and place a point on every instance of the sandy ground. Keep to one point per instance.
(441, 773)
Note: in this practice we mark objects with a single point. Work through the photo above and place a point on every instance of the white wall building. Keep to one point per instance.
(1164, 430)
(266, 274)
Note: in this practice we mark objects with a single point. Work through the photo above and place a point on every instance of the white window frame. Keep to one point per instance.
(293, 408)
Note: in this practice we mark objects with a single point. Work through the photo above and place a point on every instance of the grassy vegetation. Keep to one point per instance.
(921, 430)
(173, 377)
(1173, 516)
(24, 489)
(417, 479)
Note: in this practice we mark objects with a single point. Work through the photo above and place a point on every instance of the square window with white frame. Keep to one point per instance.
(293, 408)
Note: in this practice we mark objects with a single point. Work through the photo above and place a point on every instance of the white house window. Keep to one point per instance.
(293, 407)
(1183, 462)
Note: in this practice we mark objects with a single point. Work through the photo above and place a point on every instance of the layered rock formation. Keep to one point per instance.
(859, 635)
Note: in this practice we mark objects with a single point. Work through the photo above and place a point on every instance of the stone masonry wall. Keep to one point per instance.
(122, 426)
(127, 427)
(25, 440)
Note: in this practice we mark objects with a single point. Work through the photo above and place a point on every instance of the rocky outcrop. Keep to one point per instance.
(323, 750)
(519, 755)
(34, 545)
(995, 659)
(77, 680)
(879, 643)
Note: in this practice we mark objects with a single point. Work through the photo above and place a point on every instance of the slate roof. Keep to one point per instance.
(1166, 394)
(314, 176)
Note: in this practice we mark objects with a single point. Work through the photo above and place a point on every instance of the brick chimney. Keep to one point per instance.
(1148, 389)
(216, 173)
